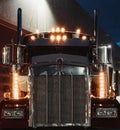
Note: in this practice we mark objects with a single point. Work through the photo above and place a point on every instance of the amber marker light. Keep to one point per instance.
(53, 30)
(58, 35)
(84, 37)
(57, 29)
(62, 30)
(58, 38)
(64, 37)
(32, 37)
(37, 31)
(102, 85)
(15, 87)
(52, 38)
(78, 31)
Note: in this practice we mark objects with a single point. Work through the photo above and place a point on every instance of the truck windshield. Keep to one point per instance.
(54, 70)
(43, 50)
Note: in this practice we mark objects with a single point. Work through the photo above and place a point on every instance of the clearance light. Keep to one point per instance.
(102, 85)
(37, 31)
(32, 37)
(53, 30)
(62, 30)
(84, 37)
(52, 38)
(15, 86)
(78, 31)
(64, 37)
(58, 38)
(58, 29)
(58, 35)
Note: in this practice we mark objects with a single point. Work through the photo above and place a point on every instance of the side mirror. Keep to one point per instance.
(105, 54)
(6, 55)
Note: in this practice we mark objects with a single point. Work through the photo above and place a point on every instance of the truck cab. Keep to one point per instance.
(59, 85)
(60, 78)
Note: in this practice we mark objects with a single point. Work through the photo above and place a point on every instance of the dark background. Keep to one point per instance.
(108, 15)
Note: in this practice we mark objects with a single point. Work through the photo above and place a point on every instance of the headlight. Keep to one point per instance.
(106, 112)
(13, 113)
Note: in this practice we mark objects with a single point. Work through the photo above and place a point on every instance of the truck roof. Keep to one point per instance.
(41, 44)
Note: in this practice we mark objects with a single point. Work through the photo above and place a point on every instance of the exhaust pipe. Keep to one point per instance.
(95, 24)
(19, 35)
(19, 26)
(96, 34)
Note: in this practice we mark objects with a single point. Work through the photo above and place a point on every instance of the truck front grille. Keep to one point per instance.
(60, 100)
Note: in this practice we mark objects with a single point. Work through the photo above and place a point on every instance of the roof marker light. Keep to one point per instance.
(57, 29)
(78, 31)
(32, 37)
(62, 30)
(37, 31)
(64, 37)
(53, 30)
(58, 38)
(52, 38)
(84, 37)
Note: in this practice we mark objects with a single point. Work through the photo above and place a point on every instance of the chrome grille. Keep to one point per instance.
(60, 100)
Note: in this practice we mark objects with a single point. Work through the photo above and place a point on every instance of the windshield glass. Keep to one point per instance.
(54, 70)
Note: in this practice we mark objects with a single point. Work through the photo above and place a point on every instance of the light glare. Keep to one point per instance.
(58, 38)
(57, 29)
(64, 37)
(78, 31)
(32, 38)
(84, 37)
(15, 87)
(52, 38)
(102, 85)
(62, 30)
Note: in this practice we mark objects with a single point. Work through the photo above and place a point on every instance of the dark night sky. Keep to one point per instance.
(108, 15)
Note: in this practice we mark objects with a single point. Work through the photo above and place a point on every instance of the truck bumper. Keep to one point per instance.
(107, 117)
(13, 124)
(14, 113)
(105, 123)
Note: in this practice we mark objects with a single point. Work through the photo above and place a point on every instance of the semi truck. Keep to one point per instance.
(60, 78)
